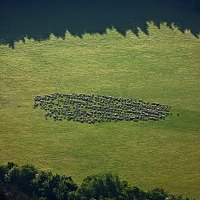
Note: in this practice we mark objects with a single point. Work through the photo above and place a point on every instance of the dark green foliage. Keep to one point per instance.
(136, 193)
(2, 193)
(13, 193)
(52, 186)
(5, 170)
(22, 177)
(103, 187)
(157, 194)
(26, 180)
(108, 187)
(27, 183)
(2, 172)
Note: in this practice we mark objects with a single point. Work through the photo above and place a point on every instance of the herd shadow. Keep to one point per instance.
(39, 18)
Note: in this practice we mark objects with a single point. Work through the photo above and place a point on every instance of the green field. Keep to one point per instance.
(160, 67)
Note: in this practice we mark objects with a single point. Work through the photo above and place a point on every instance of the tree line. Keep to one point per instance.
(28, 183)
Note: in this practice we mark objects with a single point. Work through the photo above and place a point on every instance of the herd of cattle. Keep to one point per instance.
(98, 108)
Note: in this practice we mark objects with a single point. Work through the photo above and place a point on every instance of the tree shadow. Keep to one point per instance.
(39, 18)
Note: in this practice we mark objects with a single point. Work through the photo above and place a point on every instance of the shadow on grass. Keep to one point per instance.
(39, 18)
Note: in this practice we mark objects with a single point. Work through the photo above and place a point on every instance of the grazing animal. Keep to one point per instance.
(99, 108)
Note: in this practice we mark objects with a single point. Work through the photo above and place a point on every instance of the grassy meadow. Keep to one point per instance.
(160, 67)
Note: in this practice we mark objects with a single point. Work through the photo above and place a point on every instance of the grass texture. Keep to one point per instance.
(162, 66)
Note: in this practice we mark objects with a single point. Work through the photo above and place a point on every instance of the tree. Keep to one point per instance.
(136, 193)
(21, 177)
(103, 186)
(157, 194)
(52, 186)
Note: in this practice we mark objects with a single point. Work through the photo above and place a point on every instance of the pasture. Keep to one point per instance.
(162, 67)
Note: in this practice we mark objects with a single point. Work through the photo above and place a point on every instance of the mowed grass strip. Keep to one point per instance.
(160, 67)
